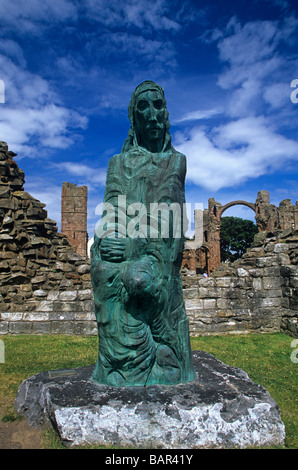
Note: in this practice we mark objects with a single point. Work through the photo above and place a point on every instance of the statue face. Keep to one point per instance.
(150, 119)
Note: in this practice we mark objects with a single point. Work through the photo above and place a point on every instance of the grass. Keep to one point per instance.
(265, 358)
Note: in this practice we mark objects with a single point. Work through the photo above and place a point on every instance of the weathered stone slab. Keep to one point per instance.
(221, 408)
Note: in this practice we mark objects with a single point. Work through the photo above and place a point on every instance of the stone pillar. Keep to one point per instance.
(192, 260)
(296, 216)
(74, 216)
(214, 234)
(286, 215)
(266, 213)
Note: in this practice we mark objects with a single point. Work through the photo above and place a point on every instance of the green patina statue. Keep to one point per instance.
(136, 258)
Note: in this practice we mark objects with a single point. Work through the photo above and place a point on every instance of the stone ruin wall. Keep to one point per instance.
(45, 285)
(74, 216)
(256, 294)
(268, 218)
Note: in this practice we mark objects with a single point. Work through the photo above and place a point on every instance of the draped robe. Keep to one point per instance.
(139, 307)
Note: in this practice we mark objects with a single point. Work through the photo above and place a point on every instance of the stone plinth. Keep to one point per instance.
(221, 408)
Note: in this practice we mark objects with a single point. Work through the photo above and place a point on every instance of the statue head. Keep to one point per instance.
(148, 116)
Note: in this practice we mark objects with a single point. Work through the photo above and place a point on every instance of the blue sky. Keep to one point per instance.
(69, 68)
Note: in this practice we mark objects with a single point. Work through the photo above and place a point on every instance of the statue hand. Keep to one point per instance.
(112, 249)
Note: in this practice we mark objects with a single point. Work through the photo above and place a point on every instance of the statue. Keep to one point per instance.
(139, 307)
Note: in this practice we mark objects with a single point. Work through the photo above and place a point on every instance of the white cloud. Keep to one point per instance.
(153, 14)
(248, 144)
(198, 115)
(33, 116)
(32, 15)
(234, 152)
(254, 63)
(82, 171)
(48, 193)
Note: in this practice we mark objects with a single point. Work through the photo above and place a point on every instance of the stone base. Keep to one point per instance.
(221, 408)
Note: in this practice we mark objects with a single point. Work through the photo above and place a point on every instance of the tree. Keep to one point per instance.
(236, 235)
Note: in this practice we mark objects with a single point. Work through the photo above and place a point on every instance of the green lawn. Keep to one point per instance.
(266, 359)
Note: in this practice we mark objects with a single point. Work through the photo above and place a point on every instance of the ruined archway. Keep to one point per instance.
(268, 218)
(215, 212)
(237, 231)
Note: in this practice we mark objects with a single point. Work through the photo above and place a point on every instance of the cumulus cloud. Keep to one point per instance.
(33, 116)
(248, 143)
(234, 152)
(153, 14)
(33, 15)
(83, 171)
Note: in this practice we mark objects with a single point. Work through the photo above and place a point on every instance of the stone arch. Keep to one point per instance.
(215, 212)
(237, 203)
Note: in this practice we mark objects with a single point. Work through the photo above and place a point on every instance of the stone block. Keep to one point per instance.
(36, 316)
(222, 303)
(271, 283)
(190, 293)
(85, 316)
(4, 327)
(86, 294)
(270, 302)
(221, 408)
(20, 328)
(280, 248)
(53, 295)
(68, 296)
(84, 269)
(255, 272)
(40, 293)
(211, 292)
(206, 282)
(64, 306)
(62, 327)
(86, 328)
(88, 306)
(11, 316)
(293, 282)
(45, 306)
(266, 262)
(209, 303)
(61, 316)
(193, 304)
(257, 283)
(38, 279)
(42, 328)
(242, 272)
(273, 271)
(222, 282)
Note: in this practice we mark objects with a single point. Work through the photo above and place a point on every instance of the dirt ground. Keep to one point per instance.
(19, 435)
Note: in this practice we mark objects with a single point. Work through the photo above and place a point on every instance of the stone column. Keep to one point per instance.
(74, 216)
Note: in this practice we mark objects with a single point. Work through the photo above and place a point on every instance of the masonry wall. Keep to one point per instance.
(45, 286)
(257, 294)
(74, 216)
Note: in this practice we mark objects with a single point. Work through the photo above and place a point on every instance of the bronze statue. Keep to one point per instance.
(139, 306)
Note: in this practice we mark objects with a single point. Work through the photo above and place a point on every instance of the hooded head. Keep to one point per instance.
(147, 95)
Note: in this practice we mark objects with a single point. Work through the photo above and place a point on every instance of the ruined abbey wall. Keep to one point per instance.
(45, 285)
(256, 294)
